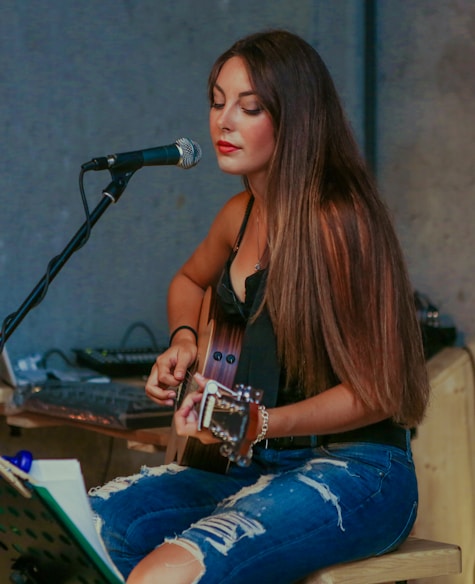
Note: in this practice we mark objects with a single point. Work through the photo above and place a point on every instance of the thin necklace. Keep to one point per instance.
(257, 267)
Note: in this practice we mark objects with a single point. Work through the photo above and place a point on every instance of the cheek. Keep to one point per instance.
(212, 122)
(264, 133)
(265, 143)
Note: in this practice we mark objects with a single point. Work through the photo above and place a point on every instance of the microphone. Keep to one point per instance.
(184, 153)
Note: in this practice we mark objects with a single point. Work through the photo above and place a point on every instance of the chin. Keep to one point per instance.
(228, 167)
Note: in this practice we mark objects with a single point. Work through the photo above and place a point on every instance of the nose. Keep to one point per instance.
(225, 119)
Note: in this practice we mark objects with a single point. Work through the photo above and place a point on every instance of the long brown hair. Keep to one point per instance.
(337, 291)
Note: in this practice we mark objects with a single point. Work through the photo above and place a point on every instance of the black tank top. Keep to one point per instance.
(232, 306)
(258, 364)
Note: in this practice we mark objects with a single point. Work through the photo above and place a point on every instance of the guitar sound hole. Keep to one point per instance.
(217, 355)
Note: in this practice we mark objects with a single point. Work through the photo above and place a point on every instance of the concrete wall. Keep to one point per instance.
(86, 79)
(426, 144)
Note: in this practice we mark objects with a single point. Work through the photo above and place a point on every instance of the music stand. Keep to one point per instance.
(38, 542)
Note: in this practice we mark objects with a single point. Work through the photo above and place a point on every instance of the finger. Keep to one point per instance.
(186, 421)
(190, 402)
(168, 401)
(163, 396)
(163, 372)
(183, 363)
(200, 380)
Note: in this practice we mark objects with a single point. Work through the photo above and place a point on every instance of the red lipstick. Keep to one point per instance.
(226, 147)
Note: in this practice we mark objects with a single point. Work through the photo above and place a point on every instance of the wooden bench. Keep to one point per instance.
(416, 558)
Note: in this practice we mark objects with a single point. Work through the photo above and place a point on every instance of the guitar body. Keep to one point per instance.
(219, 345)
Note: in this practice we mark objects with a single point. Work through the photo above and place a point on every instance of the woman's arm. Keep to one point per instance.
(335, 410)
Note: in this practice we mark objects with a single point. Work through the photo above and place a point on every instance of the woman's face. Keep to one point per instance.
(241, 130)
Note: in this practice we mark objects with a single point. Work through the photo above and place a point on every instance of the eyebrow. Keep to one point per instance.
(241, 94)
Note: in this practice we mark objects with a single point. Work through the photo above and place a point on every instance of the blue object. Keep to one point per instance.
(22, 460)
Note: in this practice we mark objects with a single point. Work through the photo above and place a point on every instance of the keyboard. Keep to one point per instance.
(113, 404)
(118, 362)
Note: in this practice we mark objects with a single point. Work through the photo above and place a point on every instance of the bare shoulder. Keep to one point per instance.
(207, 261)
(236, 205)
(229, 219)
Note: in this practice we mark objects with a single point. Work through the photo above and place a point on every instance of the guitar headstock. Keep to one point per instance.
(227, 414)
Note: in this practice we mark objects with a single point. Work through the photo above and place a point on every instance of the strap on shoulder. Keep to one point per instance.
(242, 229)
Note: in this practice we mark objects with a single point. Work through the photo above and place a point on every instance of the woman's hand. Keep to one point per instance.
(170, 370)
(186, 417)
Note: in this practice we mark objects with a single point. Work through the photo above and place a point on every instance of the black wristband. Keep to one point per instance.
(179, 328)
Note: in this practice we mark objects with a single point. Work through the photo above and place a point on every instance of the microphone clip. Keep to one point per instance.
(117, 186)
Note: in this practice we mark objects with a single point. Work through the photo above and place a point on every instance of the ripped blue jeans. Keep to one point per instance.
(289, 513)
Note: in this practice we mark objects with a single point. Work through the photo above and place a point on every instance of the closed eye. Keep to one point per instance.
(253, 111)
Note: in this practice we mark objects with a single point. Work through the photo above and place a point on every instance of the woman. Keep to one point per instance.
(307, 260)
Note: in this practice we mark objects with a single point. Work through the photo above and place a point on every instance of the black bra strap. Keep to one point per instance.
(242, 229)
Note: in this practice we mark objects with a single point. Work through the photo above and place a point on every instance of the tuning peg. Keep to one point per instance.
(22, 460)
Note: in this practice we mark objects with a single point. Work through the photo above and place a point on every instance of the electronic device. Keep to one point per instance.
(119, 362)
(113, 404)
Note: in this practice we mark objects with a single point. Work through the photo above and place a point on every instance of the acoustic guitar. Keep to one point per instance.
(230, 414)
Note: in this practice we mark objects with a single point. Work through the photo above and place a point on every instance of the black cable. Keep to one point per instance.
(44, 359)
(130, 330)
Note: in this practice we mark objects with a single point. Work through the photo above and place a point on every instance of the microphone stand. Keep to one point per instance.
(111, 194)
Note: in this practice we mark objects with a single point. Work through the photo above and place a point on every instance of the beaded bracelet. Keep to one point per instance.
(265, 425)
(179, 328)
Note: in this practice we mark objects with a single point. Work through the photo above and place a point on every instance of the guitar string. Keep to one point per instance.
(179, 390)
